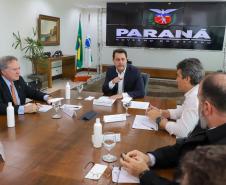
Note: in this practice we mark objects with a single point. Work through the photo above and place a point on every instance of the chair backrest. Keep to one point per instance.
(145, 77)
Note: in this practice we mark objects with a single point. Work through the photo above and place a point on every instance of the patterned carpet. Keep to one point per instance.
(161, 88)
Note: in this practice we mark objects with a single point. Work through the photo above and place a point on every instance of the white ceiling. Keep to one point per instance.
(102, 3)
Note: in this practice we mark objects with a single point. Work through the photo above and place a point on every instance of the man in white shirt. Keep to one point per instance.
(212, 113)
(189, 73)
(122, 79)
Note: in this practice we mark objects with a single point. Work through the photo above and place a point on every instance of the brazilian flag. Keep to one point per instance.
(78, 48)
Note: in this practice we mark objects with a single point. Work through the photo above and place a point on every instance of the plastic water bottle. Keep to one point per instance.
(10, 115)
(97, 134)
(67, 91)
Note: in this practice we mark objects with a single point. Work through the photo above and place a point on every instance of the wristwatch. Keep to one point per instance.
(143, 173)
(158, 120)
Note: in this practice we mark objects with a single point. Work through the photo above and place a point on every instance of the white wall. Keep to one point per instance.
(22, 15)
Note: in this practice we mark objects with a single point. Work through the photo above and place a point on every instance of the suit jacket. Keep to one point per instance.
(23, 90)
(170, 156)
(133, 83)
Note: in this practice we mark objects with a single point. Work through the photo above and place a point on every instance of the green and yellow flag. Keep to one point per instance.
(78, 48)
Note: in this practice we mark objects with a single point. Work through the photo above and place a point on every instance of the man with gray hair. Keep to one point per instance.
(14, 89)
(189, 73)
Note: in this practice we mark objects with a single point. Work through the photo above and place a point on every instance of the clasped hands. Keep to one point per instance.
(153, 113)
(135, 162)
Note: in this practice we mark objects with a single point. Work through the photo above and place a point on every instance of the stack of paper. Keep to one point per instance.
(72, 107)
(104, 101)
(143, 122)
(139, 105)
(45, 108)
(96, 171)
(114, 118)
(122, 176)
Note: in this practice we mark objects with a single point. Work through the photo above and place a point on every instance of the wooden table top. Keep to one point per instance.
(45, 151)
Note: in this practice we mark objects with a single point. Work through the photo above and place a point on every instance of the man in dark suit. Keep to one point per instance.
(14, 89)
(122, 79)
(212, 113)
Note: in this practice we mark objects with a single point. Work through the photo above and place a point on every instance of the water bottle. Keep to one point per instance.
(67, 91)
(97, 134)
(10, 115)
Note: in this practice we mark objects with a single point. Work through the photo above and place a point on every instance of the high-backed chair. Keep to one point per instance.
(145, 77)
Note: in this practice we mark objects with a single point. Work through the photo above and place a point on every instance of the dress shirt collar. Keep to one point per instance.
(192, 92)
(122, 73)
(6, 81)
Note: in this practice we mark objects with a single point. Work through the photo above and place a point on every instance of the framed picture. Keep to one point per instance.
(49, 30)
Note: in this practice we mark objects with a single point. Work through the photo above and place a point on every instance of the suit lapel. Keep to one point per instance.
(7, 94)
(125, 78)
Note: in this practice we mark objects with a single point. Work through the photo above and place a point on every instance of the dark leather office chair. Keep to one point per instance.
(145, 77)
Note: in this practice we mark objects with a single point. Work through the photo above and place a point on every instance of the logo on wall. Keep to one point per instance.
(162, 17)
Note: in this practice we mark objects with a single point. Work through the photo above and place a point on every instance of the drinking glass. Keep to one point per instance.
(109, 142)
(79, 89)
(126, 106)
(56, 107)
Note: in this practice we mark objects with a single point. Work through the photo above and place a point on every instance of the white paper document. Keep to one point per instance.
(69, 106)
(53, 100)
(89, 98)
(143, 122)
(122, 176)
(126, 99)
(114, 118)
(104, 101)
(96, 172)
(45, 108)
(139, 105)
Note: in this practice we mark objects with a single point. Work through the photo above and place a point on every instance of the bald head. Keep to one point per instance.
(213, 89)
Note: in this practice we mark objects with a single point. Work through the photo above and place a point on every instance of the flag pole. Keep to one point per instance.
(88, 28)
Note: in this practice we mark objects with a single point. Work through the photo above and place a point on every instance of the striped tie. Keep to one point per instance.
(13, 93)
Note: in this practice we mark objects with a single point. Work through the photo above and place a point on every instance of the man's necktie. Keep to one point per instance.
(13, 93)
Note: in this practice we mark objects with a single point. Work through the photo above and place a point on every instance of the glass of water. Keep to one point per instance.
(109, 142)
(79, 89)
(56, 107)
(126, 106)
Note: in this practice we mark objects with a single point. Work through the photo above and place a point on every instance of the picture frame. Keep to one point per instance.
(49, 30)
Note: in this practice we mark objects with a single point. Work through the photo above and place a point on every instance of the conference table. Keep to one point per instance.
(45, 151)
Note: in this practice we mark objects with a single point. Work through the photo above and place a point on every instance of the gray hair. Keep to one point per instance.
(5, 60)
(192, 67)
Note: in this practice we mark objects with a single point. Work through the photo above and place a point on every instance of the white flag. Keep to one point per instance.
(88, 52)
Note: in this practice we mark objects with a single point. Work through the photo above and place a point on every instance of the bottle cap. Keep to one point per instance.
(97, 120)
(10, 104)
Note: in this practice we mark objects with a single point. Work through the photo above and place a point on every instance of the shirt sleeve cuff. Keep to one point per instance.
(46, 97)
(21, 109)
(111, 85)
(152, 159)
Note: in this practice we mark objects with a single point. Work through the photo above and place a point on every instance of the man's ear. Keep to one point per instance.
(188, 78)
(207, 108)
